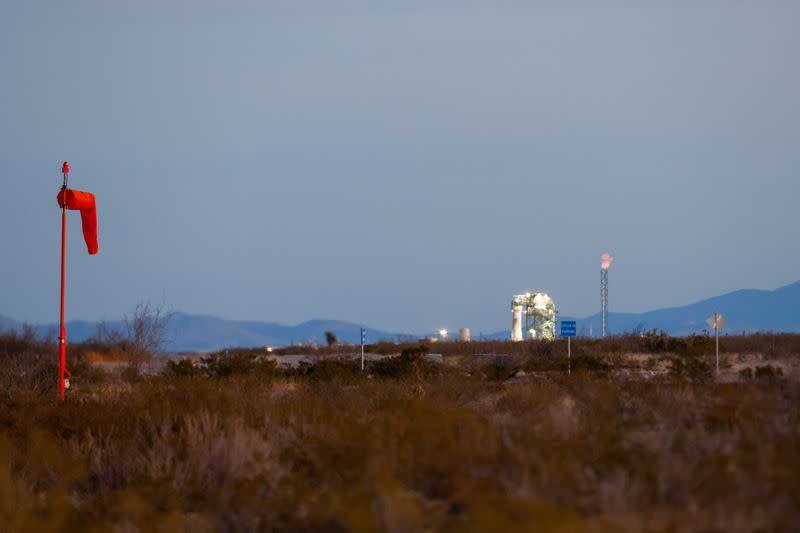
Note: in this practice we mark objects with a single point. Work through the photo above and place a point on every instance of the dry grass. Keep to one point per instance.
(243, 445)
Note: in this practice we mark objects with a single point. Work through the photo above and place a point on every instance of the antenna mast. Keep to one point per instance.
(605, 264)
(603, 302)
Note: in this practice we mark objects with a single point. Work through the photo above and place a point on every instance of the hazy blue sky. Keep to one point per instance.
(408, 167)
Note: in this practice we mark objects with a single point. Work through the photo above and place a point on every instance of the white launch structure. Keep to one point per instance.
(538, 311)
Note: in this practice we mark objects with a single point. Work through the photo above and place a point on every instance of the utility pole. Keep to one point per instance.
(569, 329)
(363, 341)
(569, 355)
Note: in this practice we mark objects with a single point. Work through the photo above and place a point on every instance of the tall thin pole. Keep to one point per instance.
(569, 355)
(716, 331)
(362, 349)
(62, 339)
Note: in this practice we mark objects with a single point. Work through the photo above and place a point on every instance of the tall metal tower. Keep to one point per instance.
(605, 264)
(603, 302)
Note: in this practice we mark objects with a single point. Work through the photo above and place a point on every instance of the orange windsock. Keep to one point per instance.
(83, 202)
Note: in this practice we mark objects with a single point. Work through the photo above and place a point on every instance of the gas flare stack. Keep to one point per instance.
(605, 264)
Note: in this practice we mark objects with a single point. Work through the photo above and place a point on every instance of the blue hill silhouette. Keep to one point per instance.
(746, 310)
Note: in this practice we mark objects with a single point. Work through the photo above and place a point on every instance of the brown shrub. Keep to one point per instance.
(420, 447)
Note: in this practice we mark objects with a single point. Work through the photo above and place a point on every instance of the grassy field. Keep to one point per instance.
(641, 436)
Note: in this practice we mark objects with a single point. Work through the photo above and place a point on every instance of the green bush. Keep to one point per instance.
(691, 368)
(181, 368)
(594, 365)
(410, 362)
(500, 369)
(341, 370)
(768, 372)
(699, 345)
(239, 362)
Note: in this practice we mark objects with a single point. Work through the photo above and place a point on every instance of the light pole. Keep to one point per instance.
(363, 341)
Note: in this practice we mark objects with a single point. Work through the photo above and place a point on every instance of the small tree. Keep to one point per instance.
(146, 334)
(142, 334)
(146, 328)
(330, 338)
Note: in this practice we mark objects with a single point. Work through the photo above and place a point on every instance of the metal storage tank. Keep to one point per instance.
(517, 306)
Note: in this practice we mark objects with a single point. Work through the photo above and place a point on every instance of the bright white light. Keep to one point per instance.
(443, 333)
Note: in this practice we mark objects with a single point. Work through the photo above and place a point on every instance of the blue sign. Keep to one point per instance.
(569, 328)
(363, 336)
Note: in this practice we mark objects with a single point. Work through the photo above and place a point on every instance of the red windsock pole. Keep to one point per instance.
(85, 203)
(62, 339)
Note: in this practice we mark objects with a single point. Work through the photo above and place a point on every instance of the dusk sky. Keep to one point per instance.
(405, 167)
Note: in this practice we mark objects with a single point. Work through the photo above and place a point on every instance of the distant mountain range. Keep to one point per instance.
(745, 310)
(204, 333)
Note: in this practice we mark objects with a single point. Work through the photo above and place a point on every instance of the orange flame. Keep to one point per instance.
(606, 261)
